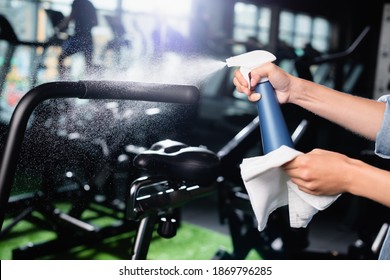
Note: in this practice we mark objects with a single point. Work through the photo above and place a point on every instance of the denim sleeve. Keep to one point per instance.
(382, 143)
(382, 149)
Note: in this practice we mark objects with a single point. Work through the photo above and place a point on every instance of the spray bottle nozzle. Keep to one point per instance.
(250, 60)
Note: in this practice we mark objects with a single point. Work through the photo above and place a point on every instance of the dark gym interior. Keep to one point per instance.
(142, 144)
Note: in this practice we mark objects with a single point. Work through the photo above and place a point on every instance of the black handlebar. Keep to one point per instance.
(168, 93)
(345, 53)
(302, 64)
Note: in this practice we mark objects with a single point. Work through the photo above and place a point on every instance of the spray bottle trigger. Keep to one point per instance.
(245, 72)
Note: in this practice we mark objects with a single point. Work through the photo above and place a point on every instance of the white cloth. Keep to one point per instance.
(269, 188)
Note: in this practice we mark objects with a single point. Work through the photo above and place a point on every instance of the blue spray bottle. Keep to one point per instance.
(273, 128)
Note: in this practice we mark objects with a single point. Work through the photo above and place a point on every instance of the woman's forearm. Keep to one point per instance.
(360, 115)
(369, 182)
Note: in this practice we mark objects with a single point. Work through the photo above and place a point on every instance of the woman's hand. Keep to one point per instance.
(320, 172)
(280, 80)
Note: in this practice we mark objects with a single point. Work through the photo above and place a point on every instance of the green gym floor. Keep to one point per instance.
(192, 242)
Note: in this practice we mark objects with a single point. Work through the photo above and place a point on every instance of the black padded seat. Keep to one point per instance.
(180, 162)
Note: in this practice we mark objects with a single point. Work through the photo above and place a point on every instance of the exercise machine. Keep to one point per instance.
(119, 40)
(7, 33)
(63, 90)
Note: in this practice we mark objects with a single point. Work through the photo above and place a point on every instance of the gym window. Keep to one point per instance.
(250, 21)
(299, 29)
(296, 29)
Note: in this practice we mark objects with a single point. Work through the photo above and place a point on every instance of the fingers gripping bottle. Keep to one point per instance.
(273, 128)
